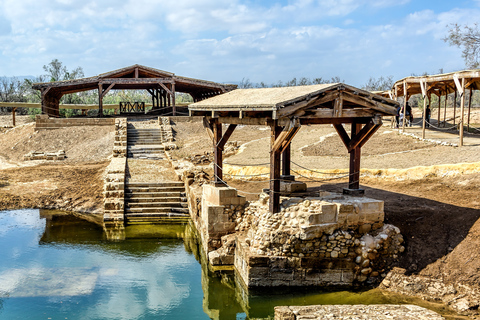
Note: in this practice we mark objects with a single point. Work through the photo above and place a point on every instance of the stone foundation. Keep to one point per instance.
(43, 122)
(329, 240)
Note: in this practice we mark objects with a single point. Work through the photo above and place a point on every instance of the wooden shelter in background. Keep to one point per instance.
(285, 110)
(440, 85)
(160, 84)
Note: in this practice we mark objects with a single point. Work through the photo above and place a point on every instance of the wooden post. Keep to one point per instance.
(439, 107)
(13, 115)
(173, 99)
(445, 109)
(469, 106)
(274, 201)
(455, 107)
(462, 111)
(355, 155)
(286, 162)
(218, 155)
(405, 98)
(100, 100)
(424, 116)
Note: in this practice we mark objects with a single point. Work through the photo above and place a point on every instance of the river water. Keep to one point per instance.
(54, 265)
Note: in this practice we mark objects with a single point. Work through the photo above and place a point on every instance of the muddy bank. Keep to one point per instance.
(59, 186)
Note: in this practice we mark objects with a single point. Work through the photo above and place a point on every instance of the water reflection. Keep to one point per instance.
(55, 265)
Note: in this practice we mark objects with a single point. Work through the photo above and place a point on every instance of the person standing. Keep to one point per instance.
(428, 113)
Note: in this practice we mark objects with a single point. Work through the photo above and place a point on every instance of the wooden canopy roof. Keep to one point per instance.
(439, 84)
(137, 77)
(285, 110)
(322, 103)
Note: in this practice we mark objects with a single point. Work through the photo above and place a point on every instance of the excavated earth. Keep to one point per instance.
(430, 190)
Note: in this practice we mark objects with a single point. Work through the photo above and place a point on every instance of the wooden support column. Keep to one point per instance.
(439, 107)
(286, 154)
(445, 109)
(455, 107)
(469, 107)
(462, 111)
(173, 100)
(13, 115)
(423, 86)
(100, 100)
(405, 98)
(274, 201)
(217, 151)
(355, 155)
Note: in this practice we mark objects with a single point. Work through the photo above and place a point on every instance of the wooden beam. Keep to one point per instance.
(100, 100)
(365, 102)
(338, 107)
(165, 88)
(346, 113)
(108, 89)
(136, 73)
(405, 98)
(286, 159)
(174, 108)
(357, 139)
(286, 136)
(469, 107)
(226, 136)
(343, 134)
(13, 115)
(208, 127)
(289, 110)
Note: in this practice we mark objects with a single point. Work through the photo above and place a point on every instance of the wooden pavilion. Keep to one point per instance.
(160, 84)
(285, 110)
(440, 85)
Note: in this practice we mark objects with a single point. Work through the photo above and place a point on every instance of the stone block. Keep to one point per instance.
(218, 195)
(258, 261)
(292, 186)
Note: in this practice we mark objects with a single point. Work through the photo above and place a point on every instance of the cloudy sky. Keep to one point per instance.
(227, 40)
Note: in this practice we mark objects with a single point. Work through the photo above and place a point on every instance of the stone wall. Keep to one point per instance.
(332, 240)
(166, 129)
(43, 122)
(114, 183)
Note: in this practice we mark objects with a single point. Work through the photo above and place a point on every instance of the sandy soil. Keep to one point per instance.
(437, 214)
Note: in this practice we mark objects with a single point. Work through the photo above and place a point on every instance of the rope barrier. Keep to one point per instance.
(332, 173)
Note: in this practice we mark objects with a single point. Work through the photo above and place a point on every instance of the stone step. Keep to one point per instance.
(156, 184)
(156, 210)
(149, 195)
(132, 205)
(146, 198)
(152, 219)
(133, 189)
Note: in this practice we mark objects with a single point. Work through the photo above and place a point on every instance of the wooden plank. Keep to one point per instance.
(338, 106)
(469, 107)
(346, 113)
(365, 102)
(369, 135)
(405, 98)
(285, 159)
(136, 73)
(165, 88)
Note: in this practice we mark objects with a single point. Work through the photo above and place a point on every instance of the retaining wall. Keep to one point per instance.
(43, 122)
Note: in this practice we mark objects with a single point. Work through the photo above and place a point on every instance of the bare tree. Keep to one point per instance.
(380, 84)
(468, 39)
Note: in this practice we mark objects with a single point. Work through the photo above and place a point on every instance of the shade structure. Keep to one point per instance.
(285, 110)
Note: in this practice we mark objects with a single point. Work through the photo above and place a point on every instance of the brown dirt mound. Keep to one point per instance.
(383, 143)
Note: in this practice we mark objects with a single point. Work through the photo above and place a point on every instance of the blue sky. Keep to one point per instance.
(228, 40)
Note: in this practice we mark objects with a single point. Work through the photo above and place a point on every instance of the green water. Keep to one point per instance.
(56, 266)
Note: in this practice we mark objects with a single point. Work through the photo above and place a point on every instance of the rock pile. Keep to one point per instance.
(33, 155)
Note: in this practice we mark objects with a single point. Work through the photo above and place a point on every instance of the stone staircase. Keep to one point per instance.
(147, 202)
(145, 143)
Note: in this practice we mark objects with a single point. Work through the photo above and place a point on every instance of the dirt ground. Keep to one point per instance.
(438, 214)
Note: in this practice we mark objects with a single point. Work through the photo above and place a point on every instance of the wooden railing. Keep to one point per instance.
(128, 107)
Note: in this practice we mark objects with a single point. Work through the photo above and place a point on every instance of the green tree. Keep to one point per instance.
(468, 39)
